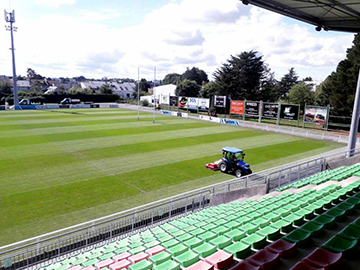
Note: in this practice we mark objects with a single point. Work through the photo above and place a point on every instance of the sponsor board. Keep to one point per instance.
(94, 105)
(230, 122)
(270, 110)
(220, 101)
(183, 101)
(317, 115)
(237, 107)
(174, 113)
(203, 104)
(164, 100)
(2, 108)
(166, 112)
(209, 118)
(85, 106)
(204, 117)
(174, 101)
(47, 107)
(289, 112)
(192, 103)
(27, 107)
(186, 115)
(252, 108)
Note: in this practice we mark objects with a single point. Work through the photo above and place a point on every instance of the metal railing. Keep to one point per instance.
(51, 246)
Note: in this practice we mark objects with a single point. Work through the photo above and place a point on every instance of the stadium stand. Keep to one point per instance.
(250, 234)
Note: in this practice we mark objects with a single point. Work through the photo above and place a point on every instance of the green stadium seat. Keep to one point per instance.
(232, 225)
(193, 242)
(209, 227)
(327, 221)
(221, 242)
(283, 225)
(351, 232)
(261, 222)
(200, 265)
(90, 263)
(187, 258)
(178, 249)
(338, 214)
(249, 228)
(295, 219)
(316, 229)
(354, 201)
(184, 237)
(235, 235)
(142, 265)
(207, 236)
(255, 240)
(197, 232)
(270, 233)
(160, 258)
(220, 230)
(168, 265)
(338, 244)
(107, 256)
(272, 217)
(347, 207)
(170, 243)
(205, 250)
(299, 236)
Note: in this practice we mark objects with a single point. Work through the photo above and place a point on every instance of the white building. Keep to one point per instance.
(125, 90)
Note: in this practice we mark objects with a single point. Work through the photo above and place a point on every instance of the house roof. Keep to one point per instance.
(337, 15)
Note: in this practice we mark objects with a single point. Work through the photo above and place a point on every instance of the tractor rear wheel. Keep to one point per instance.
(223, 167)
(238, 173)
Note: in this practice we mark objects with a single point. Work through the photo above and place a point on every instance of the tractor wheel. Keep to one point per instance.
(223, 167)
(238, 173)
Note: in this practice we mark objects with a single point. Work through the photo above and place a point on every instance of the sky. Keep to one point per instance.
(103, 38)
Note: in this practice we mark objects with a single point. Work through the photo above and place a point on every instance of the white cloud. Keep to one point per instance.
(55, 3)
(202, 33)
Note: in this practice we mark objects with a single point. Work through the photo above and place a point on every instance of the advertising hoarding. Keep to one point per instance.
(183, 101)
(237, 107)
(270, 110)
(164, 100)
(192, 103)
(317, 115)
(230, 122)
(220, 101)
(174, 101)
(289, 112)
(252, 108)
(203, 104)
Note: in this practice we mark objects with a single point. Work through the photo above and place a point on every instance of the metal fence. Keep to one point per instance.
(53, 245)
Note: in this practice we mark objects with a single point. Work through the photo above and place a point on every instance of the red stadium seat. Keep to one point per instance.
(264, 259)
(244, 265)
(285, 249)
(103, 264)
(78, 267)
(220, 259)
(303, 266)
(89, 268)
(120, 265)
(155, 250)
(122, 256)
(200, 265)
(322, 258)
(138, 257)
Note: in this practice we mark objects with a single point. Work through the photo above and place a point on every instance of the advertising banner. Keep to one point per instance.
(80, 106)
(317, 115)
(220, 101)
(47, 107)
(183, 102)
(165, 100)
(237, 107)
(2, 108)
(270, 110)
(204, 104)
(166, 112)
(204, 117)
(252, 108)
(230, 122)
(289, 112)
(174, 101)
(174, 113)
(192, 103)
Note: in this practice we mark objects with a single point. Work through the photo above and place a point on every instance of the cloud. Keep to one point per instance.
(180, 34)
(55, 3)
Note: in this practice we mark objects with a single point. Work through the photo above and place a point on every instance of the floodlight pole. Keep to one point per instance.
(138, 93)
(10, 18)
(154, 94)
(354, 122)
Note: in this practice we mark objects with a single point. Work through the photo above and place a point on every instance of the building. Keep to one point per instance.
(22, 85)
(124, 90)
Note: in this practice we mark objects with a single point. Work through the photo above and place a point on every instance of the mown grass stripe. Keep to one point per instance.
(34, 139)
(68, 147)
(41, 177)
(85, 123)
(53, 160)
(110, 188)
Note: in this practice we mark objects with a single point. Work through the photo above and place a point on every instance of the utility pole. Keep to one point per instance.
(138, 95)
(154, 94)
(10, 18)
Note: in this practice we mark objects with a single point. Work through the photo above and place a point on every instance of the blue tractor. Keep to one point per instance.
(232, 162)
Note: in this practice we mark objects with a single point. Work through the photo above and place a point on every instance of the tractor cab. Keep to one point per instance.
(233, 162)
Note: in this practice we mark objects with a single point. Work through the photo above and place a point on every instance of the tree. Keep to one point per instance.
(106, 89)
(188, 88)
(301, 93)
(208, 90)
(340, 86)
(144, 85)
(287, 82)
(322, 97)
(172, 78)
(243, 76)
(195, 74)
(5, 90)
(32, 75)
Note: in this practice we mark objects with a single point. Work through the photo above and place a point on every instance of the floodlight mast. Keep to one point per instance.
(10, 18)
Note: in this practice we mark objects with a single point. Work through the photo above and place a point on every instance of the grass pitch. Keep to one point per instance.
(60, 168)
